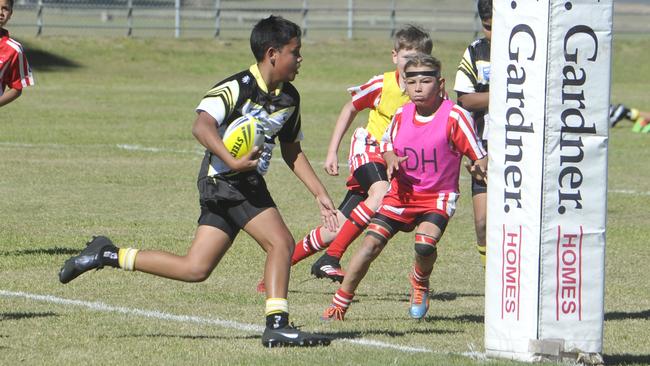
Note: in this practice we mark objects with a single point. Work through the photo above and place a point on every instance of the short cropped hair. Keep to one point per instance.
(11, 4)
(484, 9)
(423, 59)
(411, 37)
(272, 32)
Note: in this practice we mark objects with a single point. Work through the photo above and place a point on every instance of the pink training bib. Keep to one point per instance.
(432, 165)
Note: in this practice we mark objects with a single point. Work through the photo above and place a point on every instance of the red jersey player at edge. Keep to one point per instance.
(232, 192)
(15, 73)
(423, 148)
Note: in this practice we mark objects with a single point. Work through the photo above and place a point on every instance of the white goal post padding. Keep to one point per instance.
(547, 192)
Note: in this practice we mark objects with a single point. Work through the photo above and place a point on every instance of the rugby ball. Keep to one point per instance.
(242, 135)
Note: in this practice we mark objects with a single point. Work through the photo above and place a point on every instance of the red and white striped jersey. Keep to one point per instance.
(15, 72)
(382, 95)
(460, 132)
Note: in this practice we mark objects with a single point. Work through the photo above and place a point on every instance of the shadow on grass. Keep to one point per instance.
(393, 296)
(465, 318)
(184, 336)
(22, 315)
(46, 61)
(619, 315)
(390, 333)
(626, 359)
(40, 251)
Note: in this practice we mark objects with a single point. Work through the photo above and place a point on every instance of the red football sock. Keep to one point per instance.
(342, 299)
(309, 245)
(419, 276)
(352, 228)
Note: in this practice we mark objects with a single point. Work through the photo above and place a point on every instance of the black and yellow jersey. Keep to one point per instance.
(246, 93)
(473, 76)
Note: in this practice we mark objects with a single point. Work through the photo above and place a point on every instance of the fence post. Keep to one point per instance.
(305, 10)
(217, 18)
(393, 22)
(39, 18)
(129, 18)
(177, 18)
(350, 17)
(477, 20)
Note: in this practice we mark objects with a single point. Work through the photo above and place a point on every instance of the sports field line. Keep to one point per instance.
(154, 314)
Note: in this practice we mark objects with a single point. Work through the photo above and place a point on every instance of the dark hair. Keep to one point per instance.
(11, 4)
(411, 37)
(272, 32)
(484, 9)
(423, 59)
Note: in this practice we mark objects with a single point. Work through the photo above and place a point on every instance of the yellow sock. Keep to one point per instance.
(126, 258)
(276, 305)
(634, 114)
(481, 253)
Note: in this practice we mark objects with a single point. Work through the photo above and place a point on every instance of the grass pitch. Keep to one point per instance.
(102, 145)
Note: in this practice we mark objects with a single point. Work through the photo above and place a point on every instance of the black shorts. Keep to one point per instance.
(352, 199)
(394, 226)
(479, 187)
(368, 174)
(229, 203)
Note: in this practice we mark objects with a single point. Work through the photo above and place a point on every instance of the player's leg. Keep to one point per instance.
(316, 240)
(479, 202)
(272, 234)
(617, 113)
(373, 179)
(380, 230)
(208, 247)
(212, 239)
(427, 235)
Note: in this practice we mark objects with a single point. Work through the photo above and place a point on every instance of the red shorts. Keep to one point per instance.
(408, 206)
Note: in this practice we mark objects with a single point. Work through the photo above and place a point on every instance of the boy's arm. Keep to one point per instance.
(205, 132)
(466, 85)
(386, 147)
(297, 161)
(343, 122)
(9, 96)
(461, 133)
(474, 102)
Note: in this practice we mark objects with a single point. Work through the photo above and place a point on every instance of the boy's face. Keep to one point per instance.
(487, 28)
(5, 12)
(286, 60)
(421, 88)
(399, 58)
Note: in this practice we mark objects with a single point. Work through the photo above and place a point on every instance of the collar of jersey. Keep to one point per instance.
(260, 81)
(4, 33)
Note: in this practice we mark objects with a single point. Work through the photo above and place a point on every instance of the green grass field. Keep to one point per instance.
(103, 146)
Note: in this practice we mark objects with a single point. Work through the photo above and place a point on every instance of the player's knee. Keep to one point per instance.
(480, 224)
(379, 231)
(371, 248)
(197, 273)
(280, 243)
(425, 245)
(425, 250)
(376, 194)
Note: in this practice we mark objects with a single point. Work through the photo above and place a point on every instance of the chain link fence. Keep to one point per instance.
(234, 18)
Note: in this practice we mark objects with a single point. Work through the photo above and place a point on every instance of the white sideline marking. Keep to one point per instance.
(100, 306)
(156, 149)
(628, 191)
